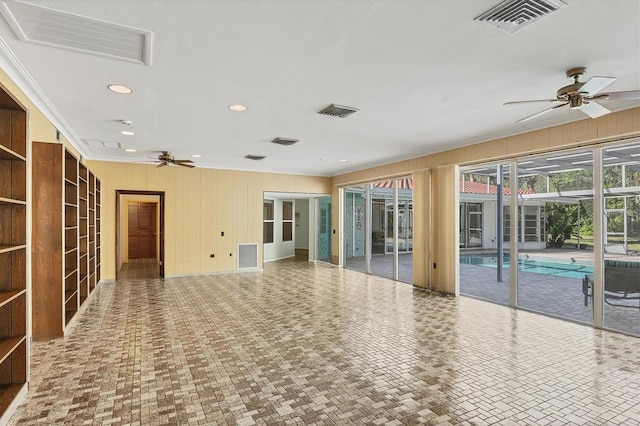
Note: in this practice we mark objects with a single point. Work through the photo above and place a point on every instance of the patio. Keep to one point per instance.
(551, 295)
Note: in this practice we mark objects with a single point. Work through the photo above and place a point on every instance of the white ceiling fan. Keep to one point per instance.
(582, 96)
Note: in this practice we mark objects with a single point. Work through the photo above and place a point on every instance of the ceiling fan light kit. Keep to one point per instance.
(581, 96)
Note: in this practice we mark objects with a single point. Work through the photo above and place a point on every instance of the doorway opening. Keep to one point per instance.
(296, 226)
(139, 234)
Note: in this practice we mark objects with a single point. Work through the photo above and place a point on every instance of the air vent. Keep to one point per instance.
(285, 141)
(255, 157)
(72, 32)
(247, 256)
(94, 143)
(513, 15)
(337, 111)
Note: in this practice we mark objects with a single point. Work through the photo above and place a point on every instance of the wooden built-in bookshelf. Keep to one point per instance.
(98, 228)
(13, 255)
(63, 271)
(92, 232)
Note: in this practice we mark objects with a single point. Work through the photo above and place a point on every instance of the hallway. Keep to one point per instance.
(304, 343)
(140, 269)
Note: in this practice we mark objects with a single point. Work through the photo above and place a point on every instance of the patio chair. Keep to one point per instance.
(621, 282)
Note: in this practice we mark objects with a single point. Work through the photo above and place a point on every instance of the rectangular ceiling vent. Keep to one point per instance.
(63, 30)
(513, 15)
(285, 141)
(334, 110)
(94, 143)
(255, 157)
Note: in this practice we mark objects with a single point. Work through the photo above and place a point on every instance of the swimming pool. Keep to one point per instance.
(554, 267)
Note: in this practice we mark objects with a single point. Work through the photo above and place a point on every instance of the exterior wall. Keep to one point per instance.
(611, 127)
(489, 224)
(199, 205)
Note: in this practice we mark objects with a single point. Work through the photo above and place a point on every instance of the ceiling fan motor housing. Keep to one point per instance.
(567, 92)
(165, 156)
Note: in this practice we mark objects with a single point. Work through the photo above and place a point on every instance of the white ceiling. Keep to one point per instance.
(424, 75)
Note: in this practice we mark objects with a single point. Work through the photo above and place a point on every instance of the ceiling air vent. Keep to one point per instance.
(337, 110)
(94, 143)
(512, 15)
(284, 141)
(255, 157)
(63, 30)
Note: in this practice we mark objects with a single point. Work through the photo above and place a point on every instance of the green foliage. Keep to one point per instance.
(560, 220)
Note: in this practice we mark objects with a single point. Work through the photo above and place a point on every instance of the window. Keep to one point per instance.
(531, 223)
(287, 221)
(267, 227)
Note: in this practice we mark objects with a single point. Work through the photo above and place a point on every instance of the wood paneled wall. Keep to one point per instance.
(199, 205)
(440, 244)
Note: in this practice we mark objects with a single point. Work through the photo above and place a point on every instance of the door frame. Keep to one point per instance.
(160, 195)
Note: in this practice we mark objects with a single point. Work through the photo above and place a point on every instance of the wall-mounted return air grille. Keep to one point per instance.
(513, 15)
(337, 110)
(64, 30)
(284, 141)
(248, 256)
(255, 157)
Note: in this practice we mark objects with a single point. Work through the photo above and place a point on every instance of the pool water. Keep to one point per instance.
(538, 266)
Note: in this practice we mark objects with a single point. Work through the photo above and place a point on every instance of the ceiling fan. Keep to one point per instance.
(582, 96)
(166, 159)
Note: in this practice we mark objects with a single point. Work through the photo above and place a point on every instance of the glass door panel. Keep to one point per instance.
(355, 227)
(372, 243)
(484, 271)
(324, 230)
(554, 263)
(621, 178)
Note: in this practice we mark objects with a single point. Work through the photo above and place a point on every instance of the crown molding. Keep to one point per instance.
(12, 66)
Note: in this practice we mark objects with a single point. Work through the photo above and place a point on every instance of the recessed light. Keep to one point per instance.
(343, 161)
(119, 88)
(196, 155)
(130, 150)
(127, 133)
(237, 108)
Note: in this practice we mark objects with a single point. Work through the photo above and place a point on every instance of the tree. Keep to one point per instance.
(560, 221)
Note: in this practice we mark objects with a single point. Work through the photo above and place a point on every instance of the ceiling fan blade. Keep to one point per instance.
(594, 109)
(536, 100)
(183, 161)
(596, 84)
(185, 165)
(617, 96)
(162, 164)
(538, 114)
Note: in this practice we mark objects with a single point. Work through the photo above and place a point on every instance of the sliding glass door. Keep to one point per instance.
(378, 228)
(621, 251)
(563, 240)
